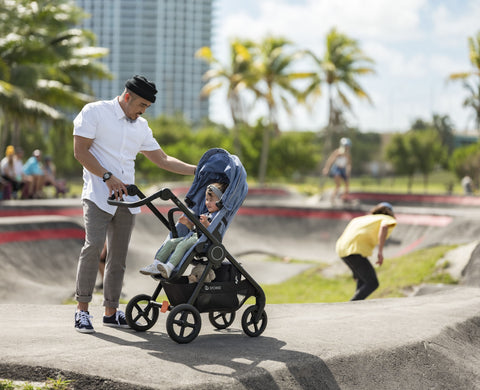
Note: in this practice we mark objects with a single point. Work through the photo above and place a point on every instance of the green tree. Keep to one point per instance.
(177, 138)
(399, 153)
(415, 151)
(340, 68)
(428, 152)
(45, 66)
(471, 79)
(466, 161)
(444, 127)
(299, 149)
(366, 148)
(420, 125)
(273, 59)
(237, 77)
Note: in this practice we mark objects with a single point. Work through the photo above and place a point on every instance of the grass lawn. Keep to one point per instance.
(397, 277)
(439, 183)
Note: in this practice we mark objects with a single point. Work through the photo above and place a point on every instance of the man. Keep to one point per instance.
(358, 241)
(107, 137)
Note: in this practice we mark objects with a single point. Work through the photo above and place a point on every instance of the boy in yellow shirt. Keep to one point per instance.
(358, 241)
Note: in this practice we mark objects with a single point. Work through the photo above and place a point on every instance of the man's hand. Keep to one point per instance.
(116, 188)
(380, 258)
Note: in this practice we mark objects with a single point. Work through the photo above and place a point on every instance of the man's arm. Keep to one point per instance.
(172, 164)
(382, 237)
(81, 151)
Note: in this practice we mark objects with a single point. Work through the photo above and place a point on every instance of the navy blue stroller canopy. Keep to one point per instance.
(217, 166)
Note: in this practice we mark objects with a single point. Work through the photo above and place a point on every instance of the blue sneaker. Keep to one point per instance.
(83, 323)
(116, 320)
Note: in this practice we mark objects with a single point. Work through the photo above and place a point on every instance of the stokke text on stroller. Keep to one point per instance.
(232, 285)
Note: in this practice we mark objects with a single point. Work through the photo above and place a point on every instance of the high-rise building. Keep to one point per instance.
(157, 39)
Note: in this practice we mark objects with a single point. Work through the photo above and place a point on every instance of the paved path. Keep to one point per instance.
(429, 342)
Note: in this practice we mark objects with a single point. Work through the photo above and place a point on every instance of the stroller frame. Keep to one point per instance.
(219, 298)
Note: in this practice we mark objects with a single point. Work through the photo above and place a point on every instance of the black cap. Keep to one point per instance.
(142, 87)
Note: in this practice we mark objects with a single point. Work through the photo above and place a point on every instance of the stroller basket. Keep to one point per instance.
(213, 296)
(226, 293)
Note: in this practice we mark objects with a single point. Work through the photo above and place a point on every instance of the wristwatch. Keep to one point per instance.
(107, 175)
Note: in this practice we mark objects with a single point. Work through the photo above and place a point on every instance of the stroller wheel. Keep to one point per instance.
(184, 323)
(221, 319)
(250, 327)
(140, 313)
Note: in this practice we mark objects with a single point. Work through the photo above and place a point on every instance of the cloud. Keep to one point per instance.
(415, 44)
(366, 19)
(445, 65)
(391, 62)
(451, 23)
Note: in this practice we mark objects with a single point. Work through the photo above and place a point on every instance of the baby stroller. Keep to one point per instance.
(232, 285)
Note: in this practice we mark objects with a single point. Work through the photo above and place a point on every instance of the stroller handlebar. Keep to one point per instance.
(164, 194)
(132, 189)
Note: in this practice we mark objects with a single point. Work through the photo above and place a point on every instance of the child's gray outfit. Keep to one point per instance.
(179, 246)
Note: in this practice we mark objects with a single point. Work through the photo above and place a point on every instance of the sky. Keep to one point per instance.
(415, 44)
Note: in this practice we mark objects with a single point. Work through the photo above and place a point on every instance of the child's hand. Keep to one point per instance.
(204, 220)
(185, 221)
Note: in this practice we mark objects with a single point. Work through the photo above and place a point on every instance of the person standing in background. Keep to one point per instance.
(339, 166)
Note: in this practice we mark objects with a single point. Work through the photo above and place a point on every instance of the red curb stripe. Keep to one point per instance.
(72, 212)
(446, 199)
(424, 220)
(409, 219)
(44, 234)
(57, 234)
(179, 191)
(298, 213)
(410, 248)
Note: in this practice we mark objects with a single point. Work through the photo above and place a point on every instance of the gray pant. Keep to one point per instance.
(117, 229)
(177, 247)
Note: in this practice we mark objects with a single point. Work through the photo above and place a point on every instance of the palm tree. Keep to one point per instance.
(444, 127)
(45, 64)
(471, 79)
(235, 76)
(273, 63)
(340, 67)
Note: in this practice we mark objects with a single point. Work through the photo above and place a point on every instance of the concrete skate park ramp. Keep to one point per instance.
(427, 341)
(40, 241)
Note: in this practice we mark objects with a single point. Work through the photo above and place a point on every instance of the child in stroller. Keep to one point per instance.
(232, 286)
(171, 252)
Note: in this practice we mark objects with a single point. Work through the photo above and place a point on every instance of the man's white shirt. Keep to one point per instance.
(116, 143)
